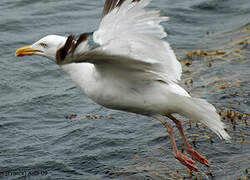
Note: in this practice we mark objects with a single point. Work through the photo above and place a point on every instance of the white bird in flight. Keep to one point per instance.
(125, 65)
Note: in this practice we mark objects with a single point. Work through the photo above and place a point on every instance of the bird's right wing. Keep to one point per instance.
(128, 30)
(130, 38)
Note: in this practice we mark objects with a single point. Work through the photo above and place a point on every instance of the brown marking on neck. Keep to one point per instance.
(63, 51)
(82, 38)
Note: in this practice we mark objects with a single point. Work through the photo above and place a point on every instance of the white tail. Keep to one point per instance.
(200, 110)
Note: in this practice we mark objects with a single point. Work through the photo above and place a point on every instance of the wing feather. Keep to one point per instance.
(131, 37)
(111, 4)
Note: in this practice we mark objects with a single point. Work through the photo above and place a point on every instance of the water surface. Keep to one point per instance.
(36, 96)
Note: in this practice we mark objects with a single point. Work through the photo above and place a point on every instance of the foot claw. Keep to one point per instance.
(186, 161)
(198, 157)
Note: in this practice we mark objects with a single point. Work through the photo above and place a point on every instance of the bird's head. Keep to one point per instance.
(47, 46)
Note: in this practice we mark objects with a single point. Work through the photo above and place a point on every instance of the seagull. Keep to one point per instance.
(126, 65)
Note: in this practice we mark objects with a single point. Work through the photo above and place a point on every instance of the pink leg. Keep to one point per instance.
(190, 150)
(178, 155)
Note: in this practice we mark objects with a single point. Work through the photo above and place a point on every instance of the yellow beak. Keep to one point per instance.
(26, 51)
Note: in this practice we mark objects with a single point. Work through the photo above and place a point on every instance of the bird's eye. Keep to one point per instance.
(43, 45)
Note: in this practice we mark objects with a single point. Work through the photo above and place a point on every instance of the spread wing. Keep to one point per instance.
(130, 38)
(128, 30)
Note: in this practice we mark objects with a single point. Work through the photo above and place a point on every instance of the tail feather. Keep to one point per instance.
(204, 112)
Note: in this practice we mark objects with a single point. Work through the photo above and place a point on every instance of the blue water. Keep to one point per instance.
(39, 140)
